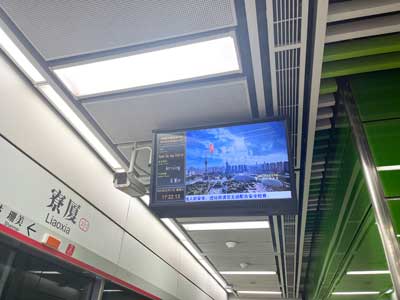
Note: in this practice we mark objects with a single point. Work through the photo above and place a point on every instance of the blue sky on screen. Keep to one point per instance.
(244, 144)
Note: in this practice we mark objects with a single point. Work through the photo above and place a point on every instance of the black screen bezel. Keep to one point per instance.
(262, 207)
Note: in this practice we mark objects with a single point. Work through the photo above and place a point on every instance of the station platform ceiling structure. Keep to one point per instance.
(287, 58)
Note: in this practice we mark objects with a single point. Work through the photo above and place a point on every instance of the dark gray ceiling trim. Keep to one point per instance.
(245, 54)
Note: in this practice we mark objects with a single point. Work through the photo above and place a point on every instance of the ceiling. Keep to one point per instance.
(284, 72)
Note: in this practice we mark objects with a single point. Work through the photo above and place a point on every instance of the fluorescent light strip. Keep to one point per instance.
(389, 291)
(212, 271)
(355, 293)
(248, 272)
(79, 125)
(175, 230)
(112, 291)
(45, 272)
(388, 168)
(227, 225)
(192, 249)
(260, 292)
(19, 58)
(200, 59)
(375, 272)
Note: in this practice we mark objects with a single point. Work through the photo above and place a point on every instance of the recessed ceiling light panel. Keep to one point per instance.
(360, 293)
(260, 292)
(227, 225)
(248, 273)
(200, 59)
(372, 272)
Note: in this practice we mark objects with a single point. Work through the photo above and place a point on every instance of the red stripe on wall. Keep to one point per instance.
(26, 240)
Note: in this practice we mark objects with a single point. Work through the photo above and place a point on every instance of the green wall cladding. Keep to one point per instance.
(362, 47)
(384, 141)
(378, 99)
(394, 206)
(377, 95)
(348, 238)
(391, 183)
(338, 225)
(328, 86)
(361, 65)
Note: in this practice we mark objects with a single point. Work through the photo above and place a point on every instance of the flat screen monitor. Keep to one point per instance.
(226, 170)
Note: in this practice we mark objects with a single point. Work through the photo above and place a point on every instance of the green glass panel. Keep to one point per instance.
(370, 254)
(361, 65)
(394, 206)
(362, 47)
(384, 141)
(322, 135)
(328, 86)
(377, 94)
(363, 297)
(390, 182)
(364, 283)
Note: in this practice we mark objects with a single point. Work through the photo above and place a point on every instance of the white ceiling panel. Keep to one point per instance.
(240, 236)
(252, 282)
(66, 28)
(232, 262)
(360, 28)
(339, 11)
(134, 118)
(241, 248)
(222, 219)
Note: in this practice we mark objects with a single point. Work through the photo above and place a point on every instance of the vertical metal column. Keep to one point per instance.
(381, 209)
(98, 288)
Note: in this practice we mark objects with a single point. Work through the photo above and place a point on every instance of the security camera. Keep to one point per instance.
(129, 184)
(136, 181)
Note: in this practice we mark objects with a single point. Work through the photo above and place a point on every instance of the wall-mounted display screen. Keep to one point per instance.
(238, 169)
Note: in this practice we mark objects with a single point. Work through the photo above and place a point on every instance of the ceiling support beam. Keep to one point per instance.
(328, 86)
(362, 47)
(340, 11)
(361, 65)
(363, 28)
(252, 26)
(318, 50)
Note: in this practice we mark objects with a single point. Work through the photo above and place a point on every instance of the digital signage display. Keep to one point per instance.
(237, 169)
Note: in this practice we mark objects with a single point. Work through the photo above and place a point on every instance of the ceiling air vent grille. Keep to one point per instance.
(287, 19)
(289, 228)
(287, 78)
(287, 22)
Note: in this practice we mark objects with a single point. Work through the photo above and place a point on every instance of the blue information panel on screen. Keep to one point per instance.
(244, 162)
(238, 163)
(227, 170)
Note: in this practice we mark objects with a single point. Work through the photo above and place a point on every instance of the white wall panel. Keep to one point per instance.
(187, 291)
(27, 188)
(189, 267)
(141, 262)
(144, 226)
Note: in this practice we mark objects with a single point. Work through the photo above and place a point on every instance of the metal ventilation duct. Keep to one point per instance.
(287, 19)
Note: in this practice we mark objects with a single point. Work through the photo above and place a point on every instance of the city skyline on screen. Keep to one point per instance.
(248, 144)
